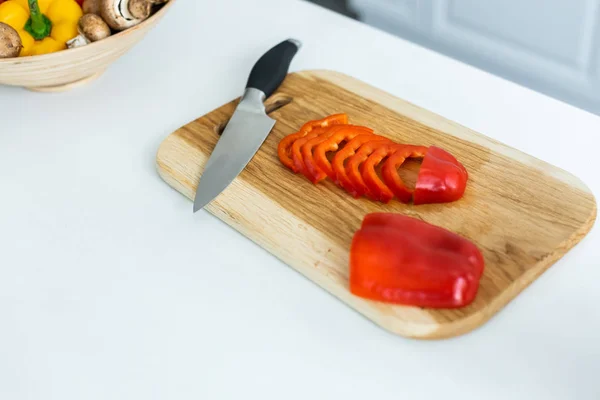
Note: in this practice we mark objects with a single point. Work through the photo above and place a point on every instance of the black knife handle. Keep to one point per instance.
(271, 69)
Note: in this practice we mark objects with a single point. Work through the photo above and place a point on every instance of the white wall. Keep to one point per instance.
(552, 46)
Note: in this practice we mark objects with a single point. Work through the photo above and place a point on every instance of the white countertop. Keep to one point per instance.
(110, 288)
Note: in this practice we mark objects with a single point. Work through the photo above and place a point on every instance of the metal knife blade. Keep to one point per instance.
(248, 127)
(245, 133)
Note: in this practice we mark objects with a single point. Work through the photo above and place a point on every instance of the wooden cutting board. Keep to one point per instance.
(523, 213)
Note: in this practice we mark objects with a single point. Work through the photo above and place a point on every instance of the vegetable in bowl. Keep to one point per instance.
(43, 26)
(48, 26)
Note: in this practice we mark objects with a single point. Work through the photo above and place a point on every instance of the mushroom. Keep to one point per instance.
(10, 41)
(142, 8)
(91, 28)
(91, 7)
(123, 14)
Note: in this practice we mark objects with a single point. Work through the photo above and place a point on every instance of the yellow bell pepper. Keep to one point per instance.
(44, 26)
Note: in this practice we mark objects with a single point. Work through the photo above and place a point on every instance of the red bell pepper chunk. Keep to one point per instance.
(403, 260)
(441, 178)
(285, 145)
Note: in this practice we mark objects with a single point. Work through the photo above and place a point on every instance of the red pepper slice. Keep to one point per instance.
(339, 169)
(353, 169)
(310, 170)
(370, 177)
(284, 149)
(332, 144)
(442, 178)
(297, 148)
(403, 260)
(336, 134)
(389, 171)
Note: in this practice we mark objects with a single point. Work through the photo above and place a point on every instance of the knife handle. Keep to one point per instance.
(271, 69)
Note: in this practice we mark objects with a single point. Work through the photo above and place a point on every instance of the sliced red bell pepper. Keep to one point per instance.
(297, 159)
(376, 186)
(310, 170)
(389, 171)
(333, 119)
(354, 170)
(442, 178)
(285, 145)
(332, 144)
(339, 168)
(403, 260)
(336, 134)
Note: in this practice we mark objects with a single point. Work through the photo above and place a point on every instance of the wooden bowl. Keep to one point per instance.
(70, 68)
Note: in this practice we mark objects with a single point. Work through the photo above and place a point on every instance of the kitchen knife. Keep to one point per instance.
(248, 127)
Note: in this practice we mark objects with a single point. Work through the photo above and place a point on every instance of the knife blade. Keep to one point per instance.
(248, 127)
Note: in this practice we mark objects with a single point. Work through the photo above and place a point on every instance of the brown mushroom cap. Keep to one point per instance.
(91, 7)
(117, 15)
(93, 27)
(140, 8)
(10, 41)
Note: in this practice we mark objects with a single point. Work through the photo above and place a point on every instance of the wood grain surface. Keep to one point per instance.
(523, 213)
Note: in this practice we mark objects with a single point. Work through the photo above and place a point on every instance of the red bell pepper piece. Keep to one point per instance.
(332, 144)
(389, 171)
(441, 178)
(297, 159)
(309, 170)
(285, 145)
(403, 260)
(378, 188)
(353, 169)
(333, 136)
(339, 168)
